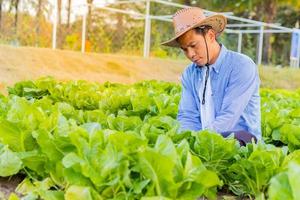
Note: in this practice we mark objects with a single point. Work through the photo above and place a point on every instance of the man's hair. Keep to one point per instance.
(202, 29)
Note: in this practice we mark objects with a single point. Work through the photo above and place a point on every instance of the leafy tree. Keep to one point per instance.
(266, 11)
(69, 13)
(15, 5)
(59, 24)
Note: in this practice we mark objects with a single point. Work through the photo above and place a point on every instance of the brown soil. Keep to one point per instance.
(8, 185)
(23, 63)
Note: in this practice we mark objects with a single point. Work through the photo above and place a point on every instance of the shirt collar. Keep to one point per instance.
(216, 66)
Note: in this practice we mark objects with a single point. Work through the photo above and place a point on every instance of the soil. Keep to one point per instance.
(8, 185)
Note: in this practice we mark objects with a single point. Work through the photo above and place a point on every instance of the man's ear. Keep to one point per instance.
(211, 35)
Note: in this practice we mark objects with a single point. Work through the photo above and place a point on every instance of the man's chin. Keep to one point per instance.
(200, 64)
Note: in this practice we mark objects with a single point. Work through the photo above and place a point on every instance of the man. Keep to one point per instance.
(220, 88)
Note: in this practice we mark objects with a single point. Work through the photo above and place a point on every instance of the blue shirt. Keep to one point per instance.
(235, 90)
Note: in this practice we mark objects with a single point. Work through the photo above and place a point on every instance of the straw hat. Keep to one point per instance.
(189, 18)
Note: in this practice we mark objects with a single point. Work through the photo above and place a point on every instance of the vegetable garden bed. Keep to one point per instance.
(82, 140)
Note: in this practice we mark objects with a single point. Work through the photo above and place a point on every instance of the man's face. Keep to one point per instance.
(193, 46)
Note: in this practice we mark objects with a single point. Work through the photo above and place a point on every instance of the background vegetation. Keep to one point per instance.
(28, 23)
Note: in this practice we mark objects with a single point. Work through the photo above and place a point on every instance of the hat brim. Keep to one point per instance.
(217, 22)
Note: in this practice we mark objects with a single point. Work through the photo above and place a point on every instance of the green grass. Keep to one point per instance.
(285, 78)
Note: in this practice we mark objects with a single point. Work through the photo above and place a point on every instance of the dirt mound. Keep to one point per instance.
(21, 63)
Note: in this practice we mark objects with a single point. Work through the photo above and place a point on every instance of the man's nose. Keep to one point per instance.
(191, 54)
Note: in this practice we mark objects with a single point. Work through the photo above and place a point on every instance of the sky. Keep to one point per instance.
(78, 7)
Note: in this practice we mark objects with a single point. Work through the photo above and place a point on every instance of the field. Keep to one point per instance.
(28, 63)
(66, 138)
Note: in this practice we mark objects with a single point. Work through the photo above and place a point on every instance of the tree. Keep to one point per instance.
(59, 26)
(265, 11)
(69, 14)
(15, 5)
(187, 2)
(89, 19)
(38, 17)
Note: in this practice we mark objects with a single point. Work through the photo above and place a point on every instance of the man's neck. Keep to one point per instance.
(215, 52)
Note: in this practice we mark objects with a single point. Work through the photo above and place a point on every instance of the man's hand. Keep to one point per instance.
(243, 137)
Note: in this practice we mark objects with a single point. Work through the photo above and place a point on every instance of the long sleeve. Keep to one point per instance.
(242, 84)
(188, 113)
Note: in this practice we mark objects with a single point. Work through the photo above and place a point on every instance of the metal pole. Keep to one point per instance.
(123, 2)
(298, 50)
(257, 31)
(54, 29)
(260, 45)
(83, 32)
(241, 25)
(147, 34)
(228, 16)
(240, 42)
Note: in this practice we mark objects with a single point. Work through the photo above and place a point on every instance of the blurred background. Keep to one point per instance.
(107, 30)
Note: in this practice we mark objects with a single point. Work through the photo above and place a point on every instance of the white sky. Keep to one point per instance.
(78, 7)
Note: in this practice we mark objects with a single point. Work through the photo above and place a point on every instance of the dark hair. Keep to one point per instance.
(202, 29)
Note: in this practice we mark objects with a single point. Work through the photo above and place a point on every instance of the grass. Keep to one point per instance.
(286, 78)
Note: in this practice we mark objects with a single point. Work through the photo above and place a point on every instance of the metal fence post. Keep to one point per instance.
(83, 32)
(54, 28)
(147, 34)
(240, 38)
(260, 45)
(298, 56)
